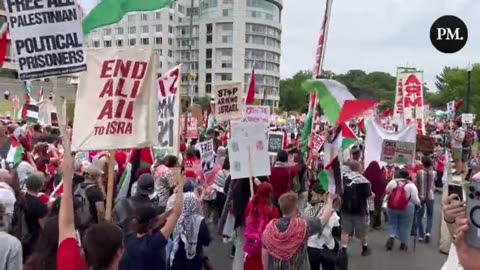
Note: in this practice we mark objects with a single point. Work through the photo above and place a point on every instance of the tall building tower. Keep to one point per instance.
(220, 41)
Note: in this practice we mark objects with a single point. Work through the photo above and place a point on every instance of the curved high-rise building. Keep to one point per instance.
(228, 38)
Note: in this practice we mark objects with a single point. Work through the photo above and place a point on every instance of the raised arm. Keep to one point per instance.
(177, 209)
(66, 226)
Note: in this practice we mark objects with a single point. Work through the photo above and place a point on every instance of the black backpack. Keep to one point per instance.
(351, 199)
(83, 214)
(19, 226)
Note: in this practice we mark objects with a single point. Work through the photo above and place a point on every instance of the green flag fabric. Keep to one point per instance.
(112, 11)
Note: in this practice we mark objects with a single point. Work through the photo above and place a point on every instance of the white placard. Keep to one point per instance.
(228, 102)
(239, 158)
(257, 114)
(467, 118)
(207, 155)
(247, 130)
(47, 37)
(116, 100)
(291, 125)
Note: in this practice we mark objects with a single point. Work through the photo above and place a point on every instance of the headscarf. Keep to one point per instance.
(188, 226)
(377, 180)
(221, 155)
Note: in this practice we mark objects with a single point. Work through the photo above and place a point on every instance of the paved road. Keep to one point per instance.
(425, 257)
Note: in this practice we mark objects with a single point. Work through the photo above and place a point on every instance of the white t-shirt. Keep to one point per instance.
(458, 137)
(452, 261)
(410, 190)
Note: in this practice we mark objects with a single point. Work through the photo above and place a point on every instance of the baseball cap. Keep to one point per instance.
(145, 184)
(92, 172)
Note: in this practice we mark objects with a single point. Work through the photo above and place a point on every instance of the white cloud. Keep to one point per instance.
(375, 35)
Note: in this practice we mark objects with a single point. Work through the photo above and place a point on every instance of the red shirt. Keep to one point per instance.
(280, 180)
(189, 164)
(68, 256)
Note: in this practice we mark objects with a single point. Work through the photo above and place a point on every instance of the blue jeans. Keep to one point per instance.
(401, 222)
(428, 206)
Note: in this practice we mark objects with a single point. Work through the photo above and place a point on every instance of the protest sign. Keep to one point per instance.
(116, 99)
(425, 144)
(413, 99)
(291, 125)
(228, 102)
(257, 114)
(168, 112)
(467, 118)
(247, 130)
(317, 143)
(239, 157)
(196, 111)
(192, 129)
(206, 155)
(399, 93)
(397, 152)
(47, 37)
(275, 142)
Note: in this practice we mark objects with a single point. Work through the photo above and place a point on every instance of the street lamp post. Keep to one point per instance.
(469, 86)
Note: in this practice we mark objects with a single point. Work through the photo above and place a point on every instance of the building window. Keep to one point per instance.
(96, 44)
(227, 12)
(208, 52)
(170, 41)
(158, 15)
(160, 52)
(171, 17)
(107, 43)
(227, 39)
(208, 88)
(226, 76)
(226, 2)
(120, 31)
(145, 29)
(144, 17)
(208, 77)
(170, 29)
(107, 31)
(227, 52)
(195, 11)
(119, 43)
(131, 18)
(158, 28)
(158, 41)
(132, 42)
(170, 53)
(209, 39)
(208, 64)
(227, 64)
(227, 26)
(209, 28)
(132, 30)
(144, 41)
(181, 8)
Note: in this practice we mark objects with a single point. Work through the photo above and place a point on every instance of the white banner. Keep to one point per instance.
(116, 99)
(169, 111)
(228, 102)
(47, 38)
(207, 155)
(257, 114)
(240, 160)
(413, 99)
(467, 118)
(399, 102)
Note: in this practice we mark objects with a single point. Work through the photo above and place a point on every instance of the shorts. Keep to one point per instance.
(457, 154)
(466, 153)
(354, 225)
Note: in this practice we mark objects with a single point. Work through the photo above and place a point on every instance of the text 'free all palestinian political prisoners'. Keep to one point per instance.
(47, 37)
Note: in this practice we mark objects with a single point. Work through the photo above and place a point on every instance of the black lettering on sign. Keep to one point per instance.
(165, 132)
(275, 142)
(51, 59)
(23, 5)
(43, 17)
(47, 43)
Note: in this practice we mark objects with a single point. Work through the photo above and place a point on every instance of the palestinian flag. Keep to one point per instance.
(15, 152)
(138, 158)
(331, 177)
(331, 96)
(108, 12)
(348, 137)
(32, 113)
(307, 128)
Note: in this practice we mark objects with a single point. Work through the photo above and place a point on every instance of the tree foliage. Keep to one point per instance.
(451, 85)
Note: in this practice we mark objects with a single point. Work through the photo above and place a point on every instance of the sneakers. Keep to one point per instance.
(232, 252)
(389, 244)
(366, 251)
(427, 238)
(403, 246)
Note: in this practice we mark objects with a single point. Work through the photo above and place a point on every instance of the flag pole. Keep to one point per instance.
(322, 41)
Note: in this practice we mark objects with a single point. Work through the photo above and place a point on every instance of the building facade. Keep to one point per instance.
(220, 41)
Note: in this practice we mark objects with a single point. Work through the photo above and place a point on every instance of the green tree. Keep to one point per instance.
(292, 96)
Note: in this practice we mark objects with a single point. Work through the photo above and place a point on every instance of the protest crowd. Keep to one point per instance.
(134, 182)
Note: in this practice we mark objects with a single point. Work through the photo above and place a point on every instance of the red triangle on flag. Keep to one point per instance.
(353, 108)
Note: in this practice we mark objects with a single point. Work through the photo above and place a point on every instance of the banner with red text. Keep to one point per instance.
(413, 109)
(228, 102)
(168, 112)
(257, 114)
(398, 106)
(116, 99)
(192, 127)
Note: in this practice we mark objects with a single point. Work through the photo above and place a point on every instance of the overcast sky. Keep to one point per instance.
(376, 35)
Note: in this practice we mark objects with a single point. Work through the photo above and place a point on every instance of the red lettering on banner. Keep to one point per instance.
(400, 94)
(173, 89)
(119, 107)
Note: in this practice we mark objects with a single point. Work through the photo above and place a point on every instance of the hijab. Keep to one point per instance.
(375, 176)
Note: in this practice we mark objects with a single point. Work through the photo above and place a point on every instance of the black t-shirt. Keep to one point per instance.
(144, 252)
(355, 198)
(94, 194)
(35, 210)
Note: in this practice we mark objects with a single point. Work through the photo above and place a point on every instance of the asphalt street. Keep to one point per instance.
(425, 257)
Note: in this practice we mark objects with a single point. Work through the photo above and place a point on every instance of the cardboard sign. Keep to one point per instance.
(169, 111)
(192, 127)
(291, 125)
(47, 38)
(207, 155)
(116, 99)
(317, 143)
(275, 141)
(257, 114)
(247, 130)
(196, 112)
(467, 118)
(239, 157)
(425, 144)
(397, 152)
(228, 102)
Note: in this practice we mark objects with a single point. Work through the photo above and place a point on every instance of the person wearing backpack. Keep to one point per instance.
(403, 196)
(90, 198)
(260, 211)
(425, 185)
(457, 146)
